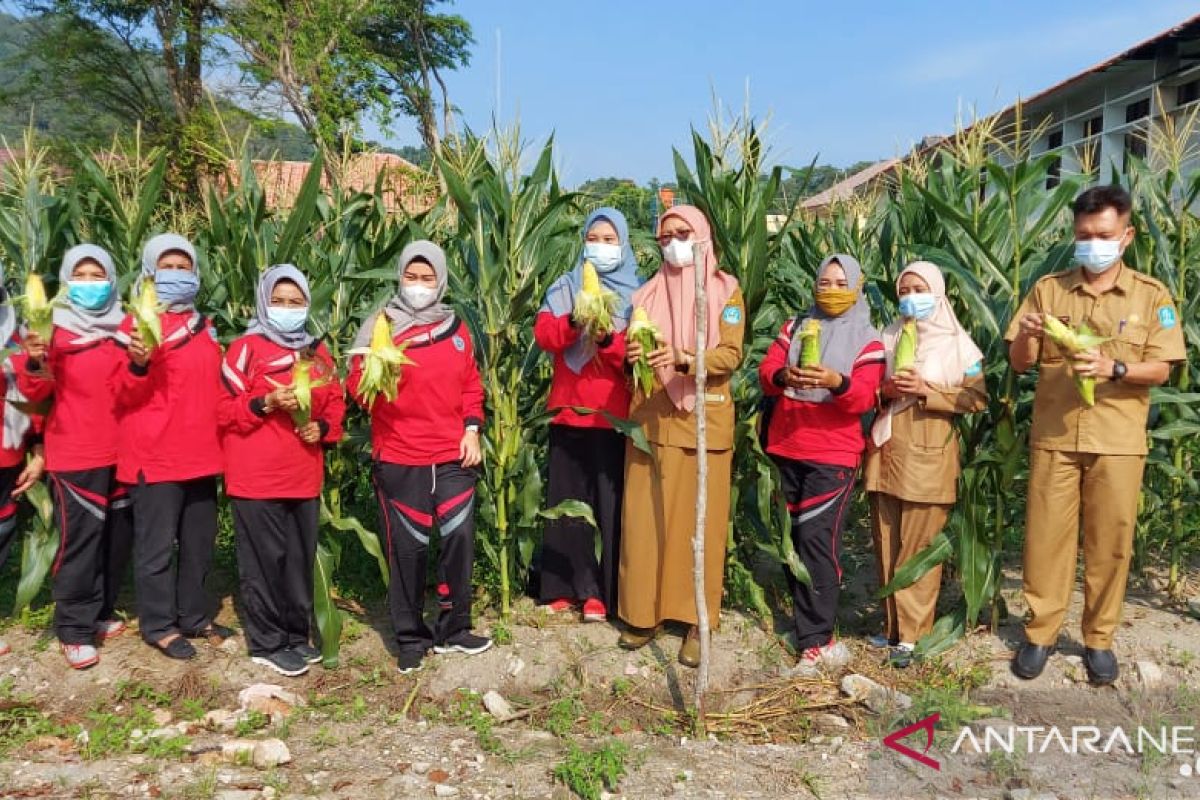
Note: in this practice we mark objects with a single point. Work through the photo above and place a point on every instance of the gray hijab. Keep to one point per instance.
(89, 325)
(402, 315)
(156, 248)
(262, 324)
(842, 337)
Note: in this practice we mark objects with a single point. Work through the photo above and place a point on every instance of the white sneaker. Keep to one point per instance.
(830, 658)
(4, 648)
(80, 656)
(109, 629)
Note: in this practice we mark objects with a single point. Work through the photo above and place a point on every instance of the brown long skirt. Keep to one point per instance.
(658, 521)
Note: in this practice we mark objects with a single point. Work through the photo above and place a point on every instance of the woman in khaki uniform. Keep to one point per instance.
(912, 461)
(659, 512)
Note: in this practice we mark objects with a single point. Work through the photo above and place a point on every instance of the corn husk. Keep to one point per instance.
(37, 311)
(145, 310)
(810, 343)
(906, 347)
(1075, 342)
(646, 334)
(303, 385)
(594, 305)
(381, 363)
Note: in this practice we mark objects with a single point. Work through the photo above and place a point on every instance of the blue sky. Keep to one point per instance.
(621, 82)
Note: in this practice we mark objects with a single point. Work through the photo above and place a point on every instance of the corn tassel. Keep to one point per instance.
(646, 334)
(1074, 342)
(37, 310)
(145, 309)
(594, 305)
(810, 343)
(906, 347)
(381, 363)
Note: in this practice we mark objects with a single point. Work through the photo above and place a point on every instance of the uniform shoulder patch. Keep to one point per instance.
(458, 343)
(732, 315)
(1166, 317)
(974, 369)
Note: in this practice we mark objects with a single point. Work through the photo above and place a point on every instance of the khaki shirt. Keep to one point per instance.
(920, 462)
(1142, 323)
(667, 425)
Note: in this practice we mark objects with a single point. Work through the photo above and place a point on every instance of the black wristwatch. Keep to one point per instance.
(1119, 370)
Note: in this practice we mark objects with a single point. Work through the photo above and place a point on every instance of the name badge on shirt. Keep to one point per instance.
(709, 397)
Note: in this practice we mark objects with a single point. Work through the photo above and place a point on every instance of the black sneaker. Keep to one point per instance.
(306, 651)
(464, 642)
(285, 662)
(409, 661)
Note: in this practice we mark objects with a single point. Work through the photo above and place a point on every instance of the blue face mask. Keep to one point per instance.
(918, 305)
(604, 257)
(176, 286)
(288, 320)
(91, 295)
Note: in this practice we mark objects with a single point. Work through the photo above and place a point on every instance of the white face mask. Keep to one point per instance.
(1097, 255)
(679, 253)
(604, 257)
(419, 297)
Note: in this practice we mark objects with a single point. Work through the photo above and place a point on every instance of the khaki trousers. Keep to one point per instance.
(901, 530)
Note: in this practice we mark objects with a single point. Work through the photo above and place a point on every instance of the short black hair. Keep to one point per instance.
(1098, 198)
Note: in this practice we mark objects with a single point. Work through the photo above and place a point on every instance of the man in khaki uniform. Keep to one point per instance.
(1087, 461)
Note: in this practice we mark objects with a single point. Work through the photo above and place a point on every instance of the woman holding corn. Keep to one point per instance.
(659, 514)
(79, 366)
(169, 454)
(22, 457)
(934, 372)
(414, 371)
(824, 368)
(282, 402)
(582, 324)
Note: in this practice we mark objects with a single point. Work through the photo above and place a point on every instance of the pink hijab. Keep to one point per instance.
(670, 301)
(945, 351)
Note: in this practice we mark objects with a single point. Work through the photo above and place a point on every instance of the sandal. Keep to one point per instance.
(213, 632)
(176, 647)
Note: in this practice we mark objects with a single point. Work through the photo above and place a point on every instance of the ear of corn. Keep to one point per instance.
(1075, 342)
(645, 333)
(381, 363)
(303, 386)
(906, 347)
(810, 343)
(594, 305)
(36, 309)
(145, 309)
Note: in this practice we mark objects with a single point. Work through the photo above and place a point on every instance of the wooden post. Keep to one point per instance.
(701, 480)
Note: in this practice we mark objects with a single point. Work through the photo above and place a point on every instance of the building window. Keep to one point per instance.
(1054, 173)
(1138, 110)
(1135, 145)
(1187, 93)
(983, 184)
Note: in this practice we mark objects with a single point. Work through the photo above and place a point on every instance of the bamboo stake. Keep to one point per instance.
(701, 343)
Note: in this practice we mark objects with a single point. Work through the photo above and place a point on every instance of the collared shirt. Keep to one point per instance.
(1141, 322)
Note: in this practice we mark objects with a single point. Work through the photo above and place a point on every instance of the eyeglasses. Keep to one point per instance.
(666, 238)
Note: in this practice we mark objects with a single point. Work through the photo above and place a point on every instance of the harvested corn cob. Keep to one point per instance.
(810, 343)
(1075, 342)
(302, 387)
(37, 310)
(646, 334)
(381, 363)
(906, 347)
(145, 309)
(594, 305)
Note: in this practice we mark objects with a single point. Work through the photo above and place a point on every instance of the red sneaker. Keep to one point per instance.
(594, 610)
(558, 606)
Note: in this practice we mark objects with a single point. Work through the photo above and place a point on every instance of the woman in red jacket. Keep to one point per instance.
(816, 438)
(587, 457)
(81, 367)
(22, 459)
(275, 465)
(169, 454)
(425, 445)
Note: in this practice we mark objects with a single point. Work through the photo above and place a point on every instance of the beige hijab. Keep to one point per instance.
(945, 351)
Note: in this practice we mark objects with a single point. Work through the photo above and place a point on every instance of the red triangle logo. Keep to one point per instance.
(892, 740)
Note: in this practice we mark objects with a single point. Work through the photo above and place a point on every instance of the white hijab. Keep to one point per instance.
(945, 351)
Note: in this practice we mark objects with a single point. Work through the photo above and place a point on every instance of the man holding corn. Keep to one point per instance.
(1086, 458)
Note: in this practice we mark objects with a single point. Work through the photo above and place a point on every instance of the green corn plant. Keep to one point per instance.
(509, 235)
